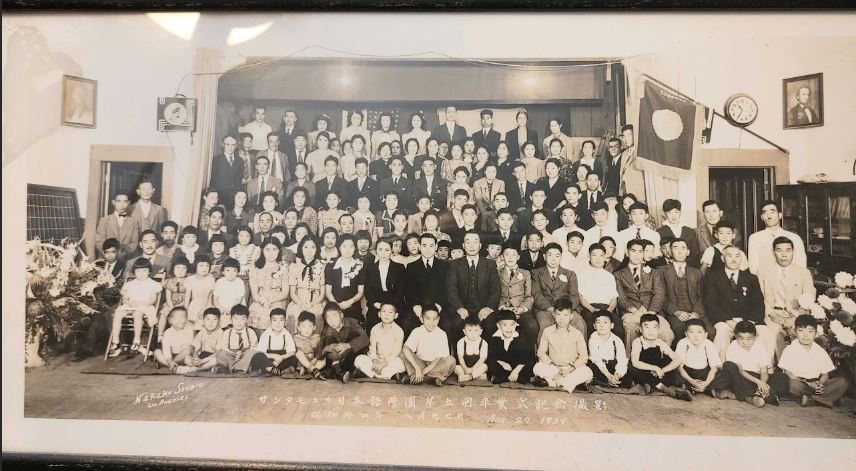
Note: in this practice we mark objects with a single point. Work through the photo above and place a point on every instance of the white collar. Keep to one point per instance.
(340, 264)
(679, 264)
(729, 272)
(498, 333)
(472, 259)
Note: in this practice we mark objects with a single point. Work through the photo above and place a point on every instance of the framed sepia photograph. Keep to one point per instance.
(79, 101)
(466, 247)
(802, 101)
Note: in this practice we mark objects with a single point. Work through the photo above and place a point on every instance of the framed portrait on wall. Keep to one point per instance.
(802, 101)
(79, 101)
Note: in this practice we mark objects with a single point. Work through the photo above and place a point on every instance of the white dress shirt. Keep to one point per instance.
(761, 248)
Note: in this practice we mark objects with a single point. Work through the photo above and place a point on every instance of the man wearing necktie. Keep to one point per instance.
(731, 295)
(425, 284)
(487, 137)
(262, 182)
(782, 284)
(473, 287)
(227, 172)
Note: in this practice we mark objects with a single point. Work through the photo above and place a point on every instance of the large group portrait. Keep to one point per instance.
(352, 252)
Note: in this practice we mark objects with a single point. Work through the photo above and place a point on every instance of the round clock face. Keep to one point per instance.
(741, 109)
(175, 114)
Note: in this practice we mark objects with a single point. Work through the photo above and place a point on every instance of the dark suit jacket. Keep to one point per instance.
(723, 303)
(629, 296)
(515, 199)
(202, 239)
(447, 221)
(160, 265)
(404, 189)
(612, 175)
(691, 237)
(439, 191)
(556, 194)
(514, 145)
(491, 142)
(285, 167)
(798, 116)
(323, 188)
(665, 283)
(424, 288)
(286, 144)
(487, 289)
(370, 189)
(395, 280)
(118, 268)
(521, 351)
(546, 291)
(526, 261)
(524, 220)
(441, 133)
(157, 216)
(515, 240)
(227, 178)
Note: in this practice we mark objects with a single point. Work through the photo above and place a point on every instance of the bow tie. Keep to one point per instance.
(121, 215)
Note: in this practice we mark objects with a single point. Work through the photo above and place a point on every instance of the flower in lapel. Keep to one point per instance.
(520, 276)
(745, 290)
(646, 269)
(563, 278)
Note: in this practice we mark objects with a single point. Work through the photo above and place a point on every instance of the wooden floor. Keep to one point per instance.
(62, 391)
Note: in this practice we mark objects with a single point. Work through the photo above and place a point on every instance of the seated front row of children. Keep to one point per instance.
(343, 350)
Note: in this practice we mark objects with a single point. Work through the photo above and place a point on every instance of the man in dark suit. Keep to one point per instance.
(215, 226)
(452, 219)
(678, 289)
(425, 283)
(287, 134)
(612, 167)
(450, 131)
(672, 227)
(592, 194)
(487, 137)
(524, 215)
(227, 171)
(363, 185)
(520, 190)
(802, 113)
(431, 185)
(148, 248)
(330, 182)
(551, 282)
(473, 288)
(120, 226)
(504, 234)
(97, 325)
(148, 215)
(398, 183)
(262, 183)
(731, 295)
(521, 135)
(635, 284)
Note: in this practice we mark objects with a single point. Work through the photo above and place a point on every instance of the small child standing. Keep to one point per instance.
(607, 355)
(218, 254)
(807, 367)
(139, 296)
(653, 363)
(176, 291)
(472, 352)
(308, 344)
(511, 356)
(200, 288)
(206, 341)
(747, 369)
(385, 343)
(426, 352)
(229, 290)
(275, 350)
(711, 259)
(177, 346)
(562, 355)
(699, 371)
(233, 351)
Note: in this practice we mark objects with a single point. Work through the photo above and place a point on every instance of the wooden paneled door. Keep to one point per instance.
(739, 191)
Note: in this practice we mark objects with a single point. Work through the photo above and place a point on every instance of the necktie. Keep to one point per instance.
(428, 265)
(733, 279)
(300, 156)
(522, 192)
(240, 341)
(680, 270)
(472, 265)
(636, 277)
(262, 186)
(395, 181)
(230, 159)
(552, 275)
(510, 275)
(638, 233)
(485, 133)
(591, 200)
(505, 236)
(600, 233)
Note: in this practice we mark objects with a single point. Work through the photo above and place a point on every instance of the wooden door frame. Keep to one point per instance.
(744, 220)
(98, 154)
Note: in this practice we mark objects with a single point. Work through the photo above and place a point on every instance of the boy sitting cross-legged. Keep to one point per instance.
(807, 366)
(562, 352)
(510, 355)
(426, 352)
(472, 352)
(275, 350)
(653, 363)
(385, 342)
(747, 368)
(237, 344)
(607, 355)
(206, 341)
(699, 370)
(176, 346)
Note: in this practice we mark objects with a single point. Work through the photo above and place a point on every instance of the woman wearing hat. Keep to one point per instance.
(322, 124)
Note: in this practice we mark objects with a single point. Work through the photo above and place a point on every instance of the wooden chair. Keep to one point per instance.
(128, 326)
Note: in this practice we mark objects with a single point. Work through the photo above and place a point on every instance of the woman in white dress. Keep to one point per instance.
(416, 132)
(268, 284)
(322, 124)
(357, 127)
(306, 284)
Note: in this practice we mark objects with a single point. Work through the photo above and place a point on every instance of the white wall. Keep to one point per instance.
(706, 56)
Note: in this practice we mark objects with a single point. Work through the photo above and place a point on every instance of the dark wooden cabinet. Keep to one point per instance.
(821, 213)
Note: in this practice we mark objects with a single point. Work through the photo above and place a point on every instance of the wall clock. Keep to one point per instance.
(176, 114)
(741, 109)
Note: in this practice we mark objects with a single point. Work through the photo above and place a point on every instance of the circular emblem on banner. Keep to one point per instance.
(667, 124)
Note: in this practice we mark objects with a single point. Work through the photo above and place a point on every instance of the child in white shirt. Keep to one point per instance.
(807, 366)
(747, 369)
(385, 342)
(139, 297)
(276, 349)
(607, 355)
(699, 371)
(229, 291)
(176, 347)
(472, 352)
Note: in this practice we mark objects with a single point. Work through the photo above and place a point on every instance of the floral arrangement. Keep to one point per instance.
(835, 311)
(62, 289)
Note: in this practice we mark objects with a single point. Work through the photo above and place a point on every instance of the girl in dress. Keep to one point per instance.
(268, 284)
(534, 165)
(431, 225)
(552, 183)
(329, 250)
(581, 174)
(345, 280)
(306, 285)
(411, 243)
(210, 197)
(587, 157)
(411, 146)
(301, 231)
(240, 214)
(348, 164)
(301, 180)
(315, 159)
(460, 182)
(322, 124)
(397, 244)
(455, 161)
(329, 217)
(176, 291)
(416, 131)
(270, 200)
(356, 128)
(188, 249)
(305, 213)
(482, 158)
(245, 252)
(200, 291)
